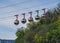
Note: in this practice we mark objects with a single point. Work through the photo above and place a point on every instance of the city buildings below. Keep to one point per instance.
(6, 41)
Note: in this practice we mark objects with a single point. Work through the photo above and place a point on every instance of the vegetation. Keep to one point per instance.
(47, 30)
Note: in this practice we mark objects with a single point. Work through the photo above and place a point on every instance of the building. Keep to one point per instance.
(6, 41)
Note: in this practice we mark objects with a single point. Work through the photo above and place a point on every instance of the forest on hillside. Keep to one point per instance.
(47, 30)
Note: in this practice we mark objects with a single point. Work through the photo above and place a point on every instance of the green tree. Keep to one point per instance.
(47, 30)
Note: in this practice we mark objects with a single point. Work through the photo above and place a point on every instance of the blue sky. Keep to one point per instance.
(9, 8)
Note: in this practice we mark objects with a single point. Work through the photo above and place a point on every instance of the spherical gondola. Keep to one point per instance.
(23, 20)
(16, 22)
(30, 18)
(37, 16)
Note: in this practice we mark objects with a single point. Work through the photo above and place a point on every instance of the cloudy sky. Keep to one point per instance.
(9, 8)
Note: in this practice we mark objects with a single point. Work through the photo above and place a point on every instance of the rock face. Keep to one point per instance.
(6, 41)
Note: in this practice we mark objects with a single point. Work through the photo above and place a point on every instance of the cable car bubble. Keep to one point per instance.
(30, 18)
(16, 22)
(37, 16)
(24, 19)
